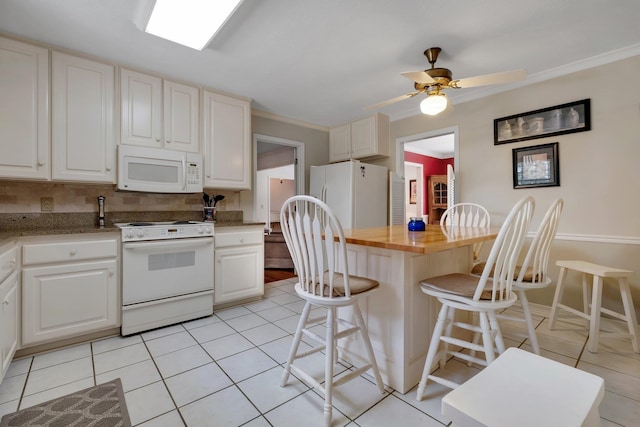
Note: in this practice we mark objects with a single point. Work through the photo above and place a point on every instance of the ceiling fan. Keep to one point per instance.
(434, 80)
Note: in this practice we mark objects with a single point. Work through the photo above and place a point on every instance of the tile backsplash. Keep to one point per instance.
(25, 197)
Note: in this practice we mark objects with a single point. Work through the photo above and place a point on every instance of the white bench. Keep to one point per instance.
(526, 390)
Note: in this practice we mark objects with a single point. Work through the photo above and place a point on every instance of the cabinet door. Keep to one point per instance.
(181, 117)
(363, 137)
(83, 142)
(8, 321)
(239, 273)
(141, 100)
(227, 142)
(340, 143)
(24, 111)
(66, 300)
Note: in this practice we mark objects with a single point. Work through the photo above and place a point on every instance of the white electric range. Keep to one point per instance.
(167, 273)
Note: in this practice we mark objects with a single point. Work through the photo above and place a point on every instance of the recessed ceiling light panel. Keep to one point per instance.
(191, 23)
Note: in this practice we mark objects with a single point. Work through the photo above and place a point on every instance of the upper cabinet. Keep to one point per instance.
(24, 111)
(227, 142)
(144, 120)
(364, 138)
(82, 137)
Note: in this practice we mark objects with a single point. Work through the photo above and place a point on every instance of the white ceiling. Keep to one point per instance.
(322, 62)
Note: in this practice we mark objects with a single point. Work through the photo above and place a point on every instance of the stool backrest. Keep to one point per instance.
(534, 267)
(317, 246)
(466, 215)
(497, 277)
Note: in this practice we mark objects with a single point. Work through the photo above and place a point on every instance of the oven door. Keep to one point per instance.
(154, 270)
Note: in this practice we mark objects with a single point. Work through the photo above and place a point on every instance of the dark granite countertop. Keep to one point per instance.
(33, 224)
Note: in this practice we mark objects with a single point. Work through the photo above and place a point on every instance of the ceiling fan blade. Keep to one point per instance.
(391, 101)
(418, 76)
(490, 79)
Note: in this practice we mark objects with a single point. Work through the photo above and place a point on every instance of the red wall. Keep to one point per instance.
(430, 166)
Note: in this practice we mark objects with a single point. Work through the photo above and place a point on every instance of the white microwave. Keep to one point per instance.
(156, 170)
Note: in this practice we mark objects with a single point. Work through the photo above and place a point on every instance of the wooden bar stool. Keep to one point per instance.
(593, 314)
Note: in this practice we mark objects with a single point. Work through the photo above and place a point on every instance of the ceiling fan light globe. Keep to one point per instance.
(433, 104)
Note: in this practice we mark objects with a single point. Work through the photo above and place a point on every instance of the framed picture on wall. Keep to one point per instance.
(413, 189)
(557, 120)
(536, 166)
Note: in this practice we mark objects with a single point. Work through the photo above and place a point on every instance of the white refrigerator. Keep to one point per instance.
(356, 191)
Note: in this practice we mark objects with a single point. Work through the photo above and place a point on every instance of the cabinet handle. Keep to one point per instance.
(157, 139)
(5, 301)
(168, 141)
(72, 252)
(108, 167)
(12, 263)
(41, 163)
(111, 272)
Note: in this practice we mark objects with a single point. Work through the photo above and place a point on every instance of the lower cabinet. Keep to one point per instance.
(9, 305)
(8, 321)
(239, 263)
(70, 287)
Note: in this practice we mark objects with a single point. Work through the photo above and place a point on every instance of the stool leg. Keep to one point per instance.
(433, 350)
(596, 301)
(629, 311)
(529, 321)
(328, 365)
(487, 340)
(293, 352)
(585, 294)
(557, 299)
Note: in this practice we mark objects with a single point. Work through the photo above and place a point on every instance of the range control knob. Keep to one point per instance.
(141, 233)
(199, 230)
(207, 229)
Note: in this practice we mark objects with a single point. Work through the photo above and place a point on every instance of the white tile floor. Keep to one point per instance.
(224, 370)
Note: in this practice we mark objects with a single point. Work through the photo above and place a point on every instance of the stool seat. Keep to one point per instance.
(592, 310)
(594, 269)
(523, 389)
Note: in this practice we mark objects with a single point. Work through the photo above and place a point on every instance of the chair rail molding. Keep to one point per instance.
(595, 238)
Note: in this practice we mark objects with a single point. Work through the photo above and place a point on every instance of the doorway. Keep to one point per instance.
(278, 175)
(434, 151)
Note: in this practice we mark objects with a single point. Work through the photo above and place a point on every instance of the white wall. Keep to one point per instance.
(599, 169)
(262, 190)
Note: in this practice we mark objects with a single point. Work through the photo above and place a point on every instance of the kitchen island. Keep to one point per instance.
(400, 317)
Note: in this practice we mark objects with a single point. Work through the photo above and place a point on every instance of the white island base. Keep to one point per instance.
(400, 317)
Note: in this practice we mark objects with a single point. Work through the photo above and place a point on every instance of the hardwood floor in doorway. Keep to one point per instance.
(275, 274)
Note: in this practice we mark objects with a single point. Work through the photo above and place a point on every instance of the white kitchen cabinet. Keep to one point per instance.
(340, 143)
(24, 111)
(82, 137)
(146, 123)
(239, 263)
(364, 138)
(70, 287)
(9, 308)
(181, 117)
(227, 142)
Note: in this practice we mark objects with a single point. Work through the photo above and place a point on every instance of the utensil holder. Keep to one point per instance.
(209, 213)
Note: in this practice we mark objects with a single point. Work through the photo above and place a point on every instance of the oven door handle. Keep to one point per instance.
(192, 243)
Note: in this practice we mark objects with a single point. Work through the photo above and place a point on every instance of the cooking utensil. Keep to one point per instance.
(217, 198)
(206, 199)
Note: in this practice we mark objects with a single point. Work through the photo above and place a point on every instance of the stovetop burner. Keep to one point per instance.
(140, 224)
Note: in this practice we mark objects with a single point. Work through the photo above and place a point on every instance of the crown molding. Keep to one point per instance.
(279, 118)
